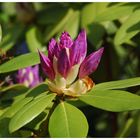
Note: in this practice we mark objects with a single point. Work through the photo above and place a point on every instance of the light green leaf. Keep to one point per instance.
(128, 29)
(95, 31)
(29, 112)
(29, 59)
(115, 12)
(67, 121)
(14, 87)
(90, 11)
(138, 125)
(112, 100)
(32, 39)
(119, 84)
(72, 27)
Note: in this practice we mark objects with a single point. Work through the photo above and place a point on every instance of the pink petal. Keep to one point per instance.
(90, 64)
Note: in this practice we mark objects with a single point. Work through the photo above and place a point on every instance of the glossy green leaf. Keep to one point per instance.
(67, 121)
(112, 100)
(29, 59)
(128, 29)
(119, 84)
(32, 38)
(29, 112)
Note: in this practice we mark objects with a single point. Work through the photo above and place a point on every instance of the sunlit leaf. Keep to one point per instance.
(29, 112)
(29, 59)
(32, 39)
(128, 29)
(72, 27)
(115, 12)
(119, 84)
(112, 100)
(67, 121)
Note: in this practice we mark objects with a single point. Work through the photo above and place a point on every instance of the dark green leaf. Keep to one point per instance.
(58, 25)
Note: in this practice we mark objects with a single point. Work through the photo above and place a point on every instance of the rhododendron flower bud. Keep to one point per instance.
(67, 66)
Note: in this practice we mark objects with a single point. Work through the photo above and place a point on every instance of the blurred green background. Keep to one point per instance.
(115, 26)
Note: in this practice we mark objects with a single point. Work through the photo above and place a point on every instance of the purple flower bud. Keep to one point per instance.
(66, 62)
(29, 76)
(90, 64)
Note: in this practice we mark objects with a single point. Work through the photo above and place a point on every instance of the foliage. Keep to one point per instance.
(109, 109)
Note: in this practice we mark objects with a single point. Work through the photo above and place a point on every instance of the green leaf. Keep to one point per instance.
(29, 59)
(138, 126)
(0, 33)
(112, 100)
(16, 107)
(23, 99)
(95, 31)
(90, 11)
(33, 40)
(10, 38)
(58, 25)
(29, 112)
(14, 87)
(119, 84)
(128, 29)
(51, 16)
(117, 11)
(67, 121)
(72, 27)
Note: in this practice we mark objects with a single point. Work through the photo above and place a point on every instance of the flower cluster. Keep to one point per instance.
(67, 66)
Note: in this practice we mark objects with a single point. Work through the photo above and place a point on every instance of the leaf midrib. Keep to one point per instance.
(65, 114)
